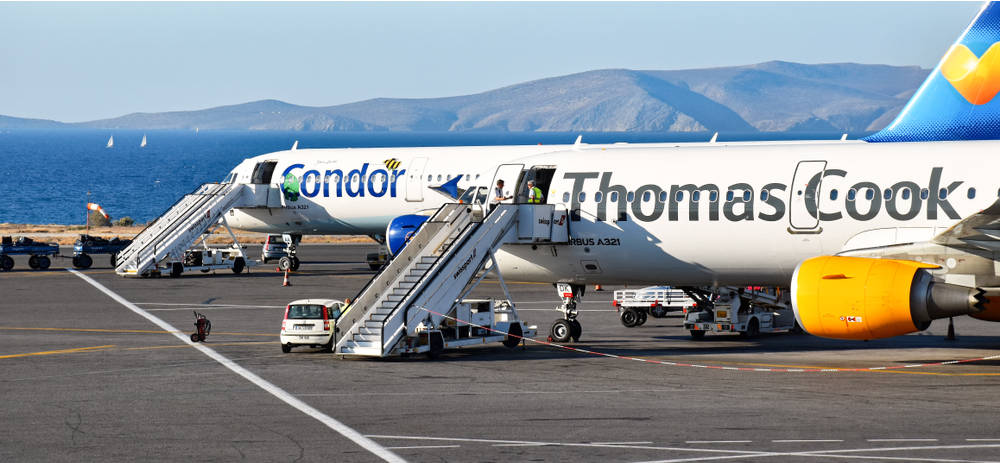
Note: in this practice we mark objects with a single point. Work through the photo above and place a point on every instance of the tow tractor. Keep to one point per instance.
(87, 245)
(634, 305)
(738, 310)
(39, 252)
(475, 321)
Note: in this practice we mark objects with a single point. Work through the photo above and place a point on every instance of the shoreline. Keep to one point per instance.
(68, 234)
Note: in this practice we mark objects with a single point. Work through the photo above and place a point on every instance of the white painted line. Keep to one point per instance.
(274, 390)
(901, 440)
(622, 443)
(731, 453)
(718, 441)
(983, 440)
(785, 441)
(533, 444)
(466, 393)
(425, 447)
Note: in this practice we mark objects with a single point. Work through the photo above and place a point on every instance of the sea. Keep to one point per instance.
(49, 175)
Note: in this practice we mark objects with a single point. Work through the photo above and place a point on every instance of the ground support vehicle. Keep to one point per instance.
(634, 305)
(736, 310)
(211, 258)
(310, 322)
(284, 249)
(39, 252)
(377, 259)
(472, 322)
(88, 245)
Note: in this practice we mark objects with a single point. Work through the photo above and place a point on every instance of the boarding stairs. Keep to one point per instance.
(173, 232)
(420, 286)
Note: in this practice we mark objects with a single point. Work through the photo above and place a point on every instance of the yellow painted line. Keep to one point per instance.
(212, 344)
(99, 330)
(61, 351)
(847, 369)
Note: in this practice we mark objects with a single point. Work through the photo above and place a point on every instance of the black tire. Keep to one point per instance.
(113, 260)
(658, 311)
(286, 348)
(83, 261)
(697, 334)
(575, 329)
(328, 347)
(642, 318)
(6, 263)
(561, 331)
(176, 269)
(238, 265)
(629, 317)
(753, 329)
(284, 263)
(44, 262)
(194, 337)
(33, 262)
(436, 342)
(295, 264)
(513, 336)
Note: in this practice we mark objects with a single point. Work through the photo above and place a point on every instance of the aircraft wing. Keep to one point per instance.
(977, 231)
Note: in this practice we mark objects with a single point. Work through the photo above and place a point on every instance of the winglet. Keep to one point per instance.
(449, 188)
(843, 137)
(295, 145)
(714, 137)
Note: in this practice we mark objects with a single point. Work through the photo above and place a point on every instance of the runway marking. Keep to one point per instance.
(101, 330)
(425, 447)
(805, 441)
(881, 369)
(739, 453)
(245, 343)
(274, 390)
(983, 440)
(718, 441)
(623, 443)
(60, 351)
(466, 393)
(901, 440)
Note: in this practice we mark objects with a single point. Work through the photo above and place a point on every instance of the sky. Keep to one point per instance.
(85, 61)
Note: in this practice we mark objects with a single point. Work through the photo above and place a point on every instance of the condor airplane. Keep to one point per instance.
(874, 238)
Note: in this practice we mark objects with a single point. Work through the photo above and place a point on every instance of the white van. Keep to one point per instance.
(310, 322)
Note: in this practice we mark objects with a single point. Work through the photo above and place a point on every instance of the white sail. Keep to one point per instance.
(142, 144)
(111, 141)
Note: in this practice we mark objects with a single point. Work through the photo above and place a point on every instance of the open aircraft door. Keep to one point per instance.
(511, 176)
(804, 197)
(414, 179)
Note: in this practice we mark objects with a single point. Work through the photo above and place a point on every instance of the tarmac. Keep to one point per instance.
(89, 374)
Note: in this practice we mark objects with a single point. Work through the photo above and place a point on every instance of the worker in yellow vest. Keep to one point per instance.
(534, 193)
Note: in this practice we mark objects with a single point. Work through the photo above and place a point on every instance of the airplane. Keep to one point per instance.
(873, 238)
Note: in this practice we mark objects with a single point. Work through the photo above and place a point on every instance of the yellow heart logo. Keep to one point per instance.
(976, 79)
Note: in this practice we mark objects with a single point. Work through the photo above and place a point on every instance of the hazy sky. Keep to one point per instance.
(83, 61)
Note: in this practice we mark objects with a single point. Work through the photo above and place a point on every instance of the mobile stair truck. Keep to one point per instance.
(634, 305)
(417, 302)
(748, 313)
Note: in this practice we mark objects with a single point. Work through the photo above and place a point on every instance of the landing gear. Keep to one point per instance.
(568, 327)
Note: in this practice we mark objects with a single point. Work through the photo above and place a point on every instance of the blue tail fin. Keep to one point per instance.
(958, 99)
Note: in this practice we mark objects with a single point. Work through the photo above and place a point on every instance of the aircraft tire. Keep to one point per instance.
(561, 331)
(295, 264)
(284, 263)
(575, 329)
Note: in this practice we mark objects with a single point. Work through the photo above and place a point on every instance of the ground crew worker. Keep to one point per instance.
(534, 193)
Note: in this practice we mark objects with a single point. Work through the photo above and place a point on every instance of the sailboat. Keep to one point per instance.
(111, 141)
(142, 144)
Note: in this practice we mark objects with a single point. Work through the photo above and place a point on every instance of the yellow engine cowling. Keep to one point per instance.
(863, 298)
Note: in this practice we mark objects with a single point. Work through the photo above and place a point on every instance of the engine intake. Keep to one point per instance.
(863, 298)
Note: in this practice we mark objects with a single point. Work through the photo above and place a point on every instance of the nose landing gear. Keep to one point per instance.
(568, 327)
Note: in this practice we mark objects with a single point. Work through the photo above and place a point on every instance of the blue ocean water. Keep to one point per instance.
(48, 173)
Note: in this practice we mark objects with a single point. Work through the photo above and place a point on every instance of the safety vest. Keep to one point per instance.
(537, 195)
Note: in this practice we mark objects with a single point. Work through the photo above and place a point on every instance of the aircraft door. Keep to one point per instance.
(804, 196)
(511, 176)
(414, 180)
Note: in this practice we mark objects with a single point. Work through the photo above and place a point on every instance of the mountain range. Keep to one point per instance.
(775, 96)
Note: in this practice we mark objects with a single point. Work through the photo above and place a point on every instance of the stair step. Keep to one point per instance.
(357, 350)
(366, 330)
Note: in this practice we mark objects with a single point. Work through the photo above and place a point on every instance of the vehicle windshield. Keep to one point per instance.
(305, 312)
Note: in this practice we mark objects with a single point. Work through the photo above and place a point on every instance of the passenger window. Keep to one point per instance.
(598, 197)
(448, 177)
(466, 177)
(905, 194)
(730, 195)
(679, 196)
(630, 197)
(887, 194)
(747, 195)
(646, 196)
(972, 193)
(833, 194)
(583, 197)
(869, 194)
(713, 196)
(663, 196)
(430, 177)
(695, 195)
(763, 195)
(566, 197)
(923, 193)
(439, 177)
(613, 196)
(943, 193)
(851, 194)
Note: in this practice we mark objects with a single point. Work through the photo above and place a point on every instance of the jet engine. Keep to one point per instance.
(863, 298)
(400, 230)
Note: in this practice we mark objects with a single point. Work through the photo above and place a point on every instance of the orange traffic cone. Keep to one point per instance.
(598, 288)
(287, 282)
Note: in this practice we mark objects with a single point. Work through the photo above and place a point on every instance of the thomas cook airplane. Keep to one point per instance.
(874, 238)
